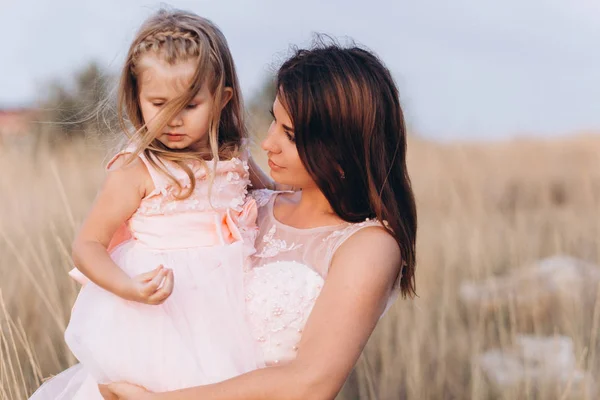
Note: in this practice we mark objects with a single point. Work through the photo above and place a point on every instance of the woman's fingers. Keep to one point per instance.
(106, 393)
(126, 391)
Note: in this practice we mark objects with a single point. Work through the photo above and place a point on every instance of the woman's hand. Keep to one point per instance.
(106, 393)
(123, 391)
(153, 287)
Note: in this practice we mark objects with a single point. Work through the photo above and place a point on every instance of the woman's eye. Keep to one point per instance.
(191, 106)
(290, 137)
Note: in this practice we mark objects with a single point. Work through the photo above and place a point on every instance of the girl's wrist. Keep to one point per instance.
(125, 288)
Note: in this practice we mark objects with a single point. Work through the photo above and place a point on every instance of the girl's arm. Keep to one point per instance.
(119, 197)
(353, 298)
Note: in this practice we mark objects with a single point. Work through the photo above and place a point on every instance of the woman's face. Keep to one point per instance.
(280, 145)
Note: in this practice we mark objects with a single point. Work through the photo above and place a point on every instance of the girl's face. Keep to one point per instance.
(160, 83)
(284, 160)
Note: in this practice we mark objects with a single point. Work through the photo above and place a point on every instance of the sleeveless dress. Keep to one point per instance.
(289, 269)
(199, 335)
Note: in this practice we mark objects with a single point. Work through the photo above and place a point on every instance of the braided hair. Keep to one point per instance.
(176, 36)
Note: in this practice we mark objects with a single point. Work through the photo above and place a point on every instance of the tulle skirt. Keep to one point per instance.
(199, 335)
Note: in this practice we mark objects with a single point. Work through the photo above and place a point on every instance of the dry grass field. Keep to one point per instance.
(485, 209)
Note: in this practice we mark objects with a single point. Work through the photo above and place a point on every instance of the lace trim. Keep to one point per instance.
(262, 196)
(273, 247)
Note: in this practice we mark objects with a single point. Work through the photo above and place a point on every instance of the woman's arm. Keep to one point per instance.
(353, 298)
(119, 197)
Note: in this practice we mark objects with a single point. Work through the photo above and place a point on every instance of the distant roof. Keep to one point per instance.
(15, 121)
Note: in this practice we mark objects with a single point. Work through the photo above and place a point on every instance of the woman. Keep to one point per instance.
(331, 256)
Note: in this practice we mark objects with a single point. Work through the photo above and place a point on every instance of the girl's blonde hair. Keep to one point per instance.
(176, 36)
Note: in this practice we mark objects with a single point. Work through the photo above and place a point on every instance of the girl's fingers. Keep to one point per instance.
(147, 276)
(152, 286)
(165, 291)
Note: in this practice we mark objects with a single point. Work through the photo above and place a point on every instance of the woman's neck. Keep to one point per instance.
(308, 208)
(313, 202)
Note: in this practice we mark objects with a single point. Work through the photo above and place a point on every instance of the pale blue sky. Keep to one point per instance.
(466, 69)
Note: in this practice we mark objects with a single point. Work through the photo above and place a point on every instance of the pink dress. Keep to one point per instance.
(289, 269)
(199, 335)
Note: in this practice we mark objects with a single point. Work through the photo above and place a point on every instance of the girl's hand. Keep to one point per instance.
(153, 287)
(123, 391)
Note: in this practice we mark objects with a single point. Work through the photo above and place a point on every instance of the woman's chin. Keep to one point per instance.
(285, 184)
(279, 177)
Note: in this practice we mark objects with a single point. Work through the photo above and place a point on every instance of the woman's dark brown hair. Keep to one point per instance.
(351, 137)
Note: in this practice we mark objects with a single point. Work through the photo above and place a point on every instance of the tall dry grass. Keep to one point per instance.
(484, 209)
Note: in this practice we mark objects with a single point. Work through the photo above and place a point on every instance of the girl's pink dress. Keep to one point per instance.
(199, 335)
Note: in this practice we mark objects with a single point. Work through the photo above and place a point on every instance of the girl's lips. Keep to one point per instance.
(175, 136)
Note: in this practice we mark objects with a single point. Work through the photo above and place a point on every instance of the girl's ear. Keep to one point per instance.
(227, 95)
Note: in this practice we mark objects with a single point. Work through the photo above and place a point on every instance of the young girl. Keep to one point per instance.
(165, 244)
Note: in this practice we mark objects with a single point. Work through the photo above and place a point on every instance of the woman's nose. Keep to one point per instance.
(269, 144)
